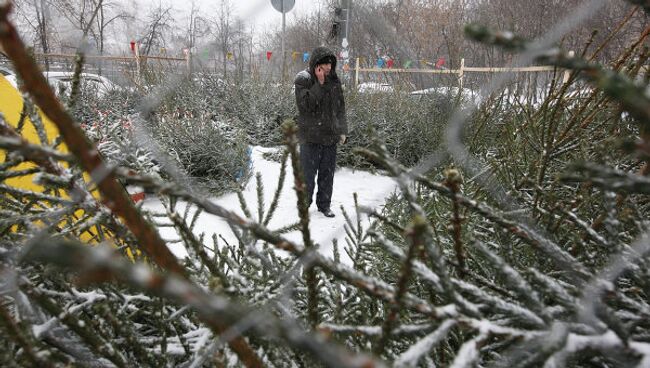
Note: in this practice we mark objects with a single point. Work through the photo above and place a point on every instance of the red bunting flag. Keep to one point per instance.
(390, 63)
(268, 55)
(440, 63)
(133, 46)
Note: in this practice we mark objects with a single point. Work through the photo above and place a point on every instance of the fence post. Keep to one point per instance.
(356, 76)
(138, 77)
(188, 61)
(461, 72)
(567, 73)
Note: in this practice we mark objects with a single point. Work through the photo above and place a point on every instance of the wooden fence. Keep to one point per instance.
(460, 72)
(127, 64)
(136, 62)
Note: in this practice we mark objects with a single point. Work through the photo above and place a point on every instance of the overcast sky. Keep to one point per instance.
(259, 13)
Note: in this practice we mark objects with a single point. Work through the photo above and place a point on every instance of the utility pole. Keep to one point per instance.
(283, 6)
(284, 24)
(347, 18)
(345, 5)
(318, 24)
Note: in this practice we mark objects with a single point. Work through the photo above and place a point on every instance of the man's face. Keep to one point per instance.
(326, 68)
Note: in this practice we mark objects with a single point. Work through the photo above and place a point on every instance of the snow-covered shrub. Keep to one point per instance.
(191, 128)
(260, 108)
(410, 126)
(107, 122)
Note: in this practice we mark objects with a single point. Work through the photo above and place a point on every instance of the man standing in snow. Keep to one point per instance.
(321, 124)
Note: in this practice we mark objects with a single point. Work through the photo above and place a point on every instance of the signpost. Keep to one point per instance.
(283, 6)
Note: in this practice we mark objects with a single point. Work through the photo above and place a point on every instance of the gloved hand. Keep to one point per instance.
(343, 139)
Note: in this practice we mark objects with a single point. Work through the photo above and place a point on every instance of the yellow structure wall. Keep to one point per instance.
(11, 107)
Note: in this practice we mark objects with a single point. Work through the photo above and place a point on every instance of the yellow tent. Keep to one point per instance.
(11, 107)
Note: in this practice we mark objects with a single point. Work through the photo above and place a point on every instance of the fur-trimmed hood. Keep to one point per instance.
(321, 55)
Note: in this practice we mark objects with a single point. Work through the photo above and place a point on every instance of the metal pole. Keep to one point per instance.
(318, 24)
(356, 75)
(137, 64)
(346, 42)
(284, 64)
(461, 73)
(347, 19)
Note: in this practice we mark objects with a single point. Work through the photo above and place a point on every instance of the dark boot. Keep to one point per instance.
(327, 212)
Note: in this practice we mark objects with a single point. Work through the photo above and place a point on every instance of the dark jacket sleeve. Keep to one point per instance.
(340, 114)
(308, 95)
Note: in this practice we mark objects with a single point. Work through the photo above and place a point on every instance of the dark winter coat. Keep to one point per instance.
(321, 109)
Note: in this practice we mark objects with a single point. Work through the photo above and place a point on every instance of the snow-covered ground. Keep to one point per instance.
(371, 190)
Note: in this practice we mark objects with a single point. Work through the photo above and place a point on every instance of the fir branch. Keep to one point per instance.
(217, 312)
(290, 137)
(521, 231)
(643, 3)
(411, 357)
(242, 203)
(132, 340)
(26, 342)
(453, 180)
(381, 157)
(420, 268)
(199, 249)
(79, 61)
(260, 197)
(607, 178)
(555, 289)
(514, 281)
(79, 324)
(278, 190)
(32, 152)
(415, 234)
(375, 331)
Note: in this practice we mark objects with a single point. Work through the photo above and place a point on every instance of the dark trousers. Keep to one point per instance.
(319, 159)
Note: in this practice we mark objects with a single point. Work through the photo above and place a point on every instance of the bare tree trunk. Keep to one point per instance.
(42, 23)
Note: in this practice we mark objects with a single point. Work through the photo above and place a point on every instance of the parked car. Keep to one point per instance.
(5, 71)
(62, 81)
(468, 96)
(374, 87)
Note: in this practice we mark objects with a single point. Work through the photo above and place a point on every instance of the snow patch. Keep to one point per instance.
(371, 190)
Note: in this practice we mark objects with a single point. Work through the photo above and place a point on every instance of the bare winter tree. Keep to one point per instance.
(158, 25)
(36, 14)
(197, 27)
(244, 44)
(224, 31)
(108, 13)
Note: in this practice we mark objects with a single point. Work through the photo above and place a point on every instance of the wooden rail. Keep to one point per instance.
(460, 71)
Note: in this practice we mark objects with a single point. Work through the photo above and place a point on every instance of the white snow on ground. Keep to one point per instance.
(371, 190)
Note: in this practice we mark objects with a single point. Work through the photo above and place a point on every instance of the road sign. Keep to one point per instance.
(288, 5)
